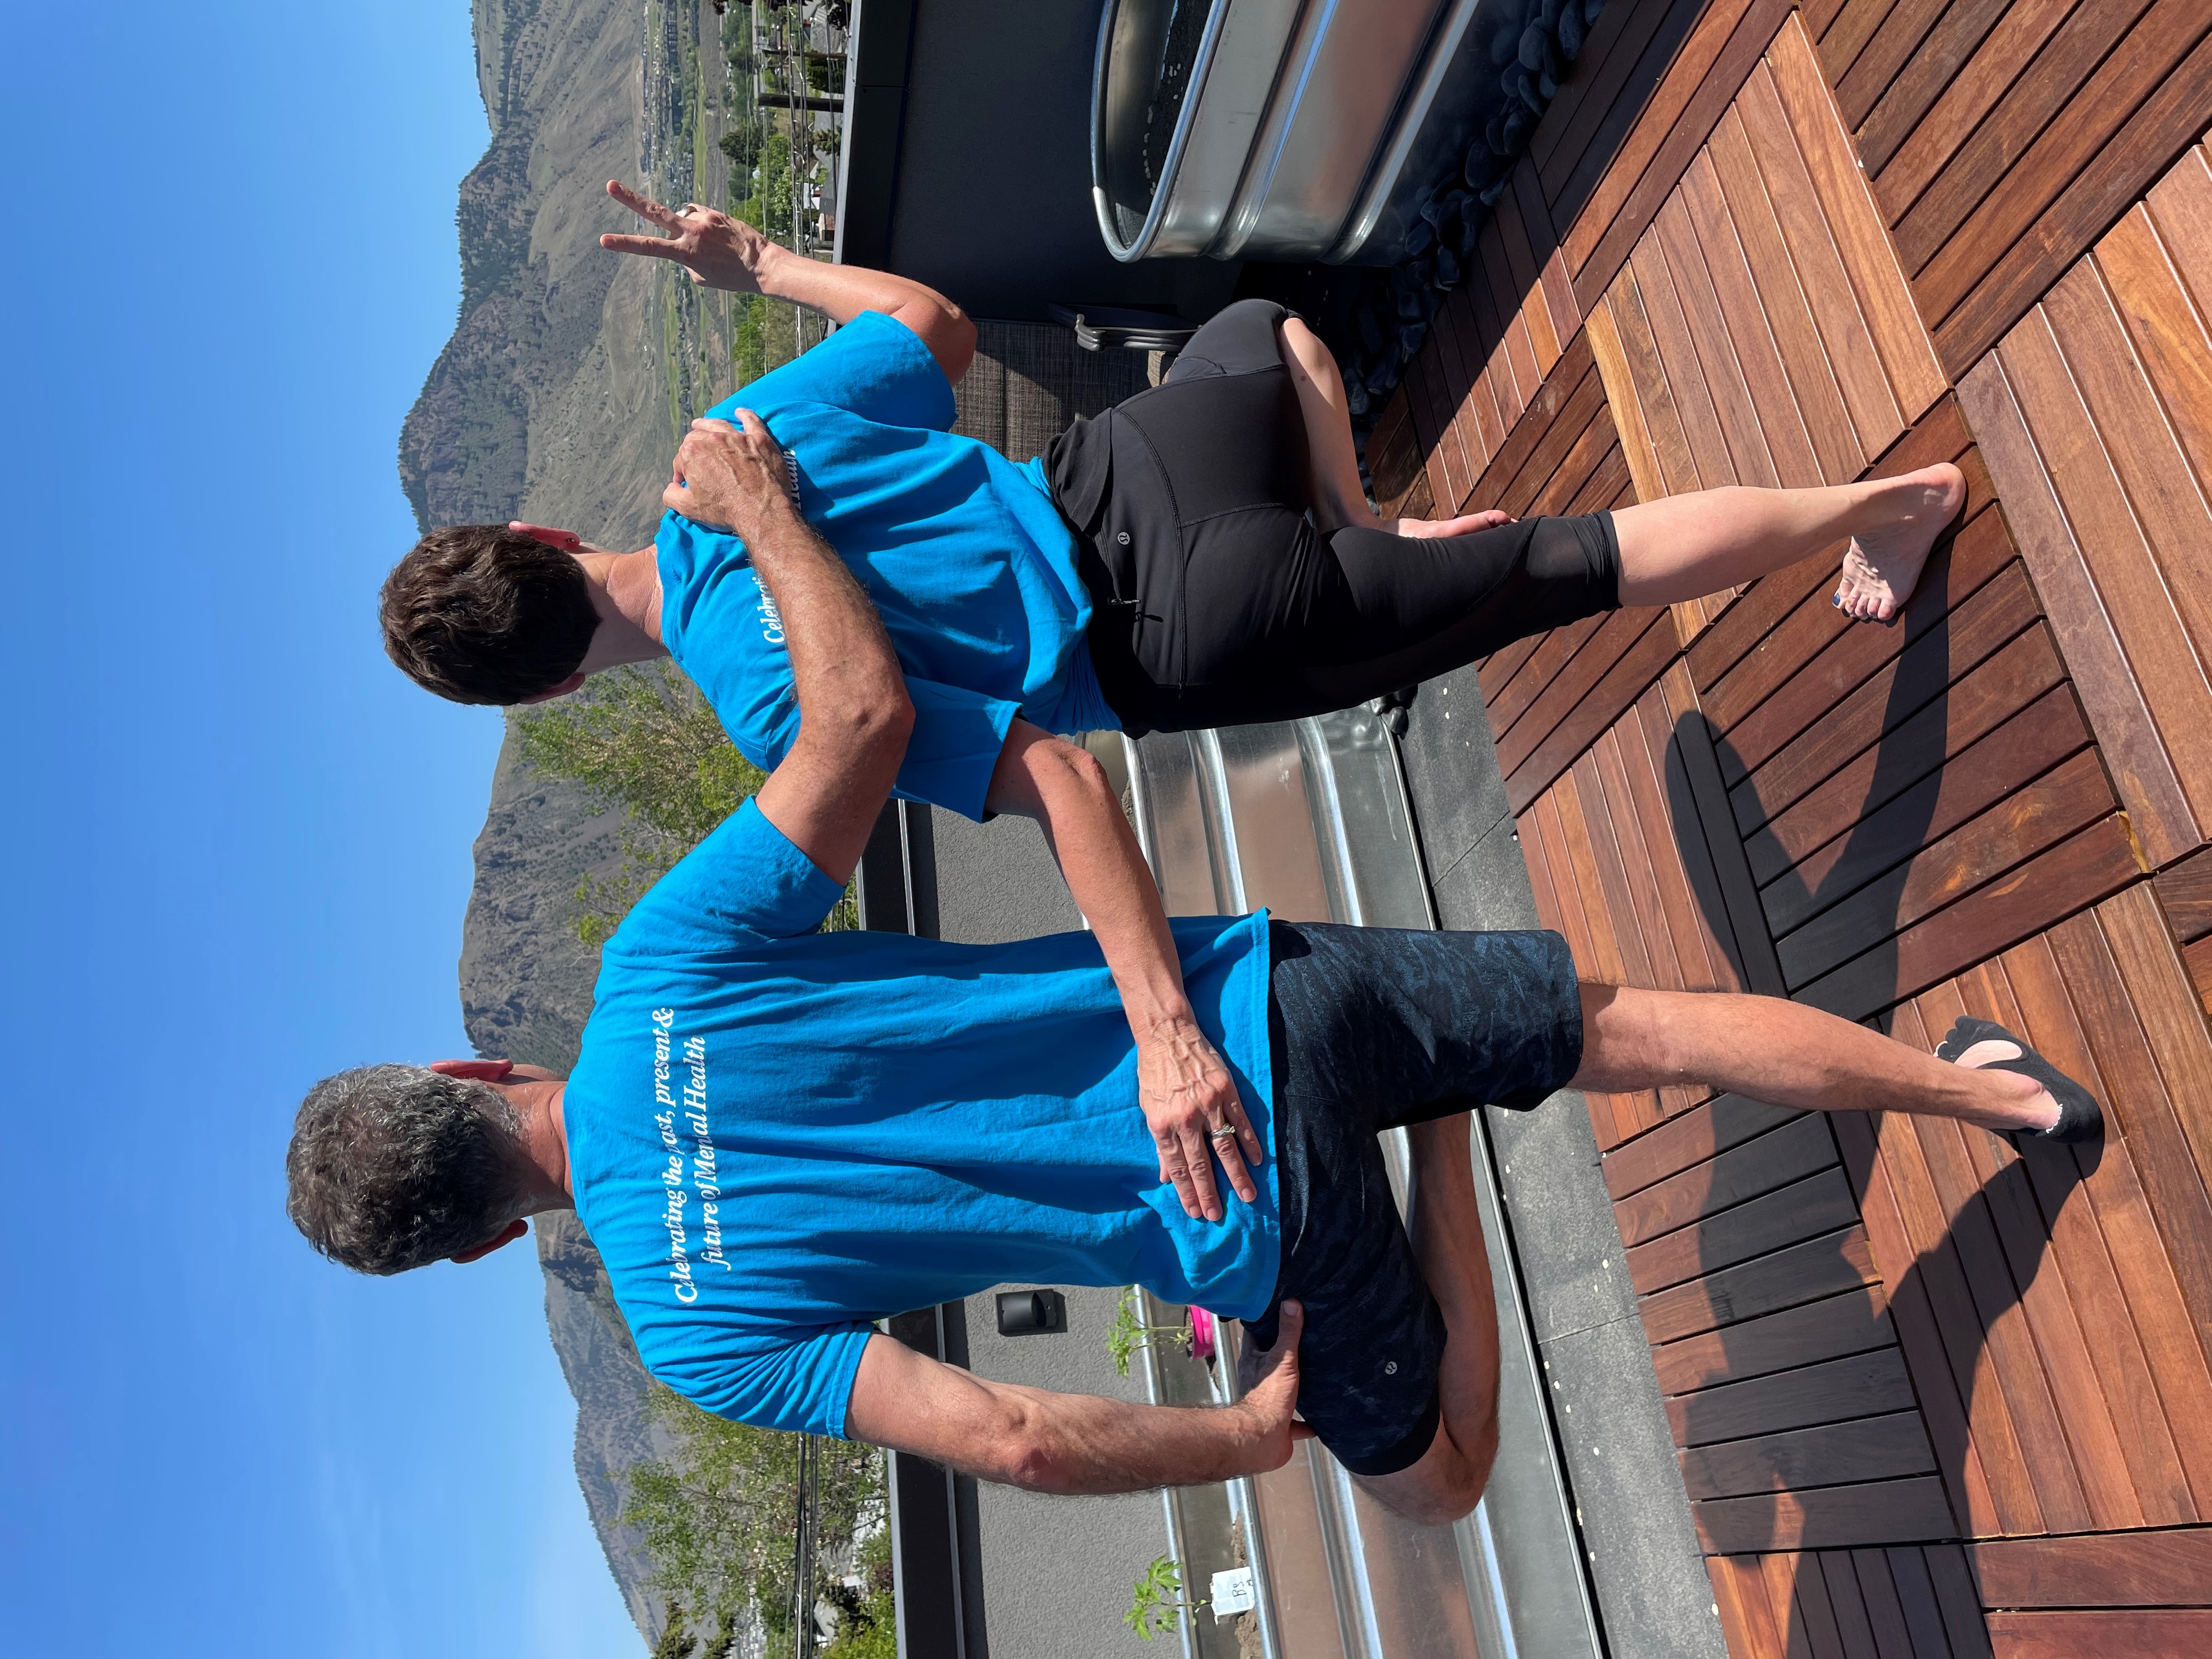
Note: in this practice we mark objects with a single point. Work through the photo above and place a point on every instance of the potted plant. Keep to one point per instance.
(1159, 1605)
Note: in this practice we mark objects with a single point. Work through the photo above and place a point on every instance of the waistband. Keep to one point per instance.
(1128, 690)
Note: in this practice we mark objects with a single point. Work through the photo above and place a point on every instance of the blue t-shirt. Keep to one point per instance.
(777, 1136)
(963, 551)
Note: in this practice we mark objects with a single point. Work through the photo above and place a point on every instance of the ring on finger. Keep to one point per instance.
(1225, 1136)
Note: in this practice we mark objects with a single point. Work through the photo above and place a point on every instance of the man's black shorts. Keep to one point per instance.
(1371, 1028)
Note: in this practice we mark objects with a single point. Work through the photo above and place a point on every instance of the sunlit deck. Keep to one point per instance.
(1930, 1397)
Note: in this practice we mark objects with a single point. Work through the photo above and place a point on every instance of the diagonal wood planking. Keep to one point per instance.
(1918, 1335)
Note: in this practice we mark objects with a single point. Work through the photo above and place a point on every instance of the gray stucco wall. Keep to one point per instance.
(1645, 1565)
(997, 882)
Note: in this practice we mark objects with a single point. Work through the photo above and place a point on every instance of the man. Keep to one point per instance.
(1203, 555)
(776, 1136)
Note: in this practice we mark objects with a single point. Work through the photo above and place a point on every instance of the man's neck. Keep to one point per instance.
(545, 1140)
(625, 590)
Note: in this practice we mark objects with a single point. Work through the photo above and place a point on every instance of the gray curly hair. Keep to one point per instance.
(393, 1167)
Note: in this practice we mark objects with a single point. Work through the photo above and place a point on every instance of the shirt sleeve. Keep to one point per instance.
(875, 366)
(746, 881)
(954, 748)
(798, 1381)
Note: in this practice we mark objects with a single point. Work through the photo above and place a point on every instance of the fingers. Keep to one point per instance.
(644, 206)
(1198, 1155)
(1175, 1169)
(1235, 1155)
(652, 247)
(752, 424)
(1291, 1324)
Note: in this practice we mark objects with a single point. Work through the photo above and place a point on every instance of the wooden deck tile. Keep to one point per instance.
(1815, 398)
(2135, 1633)
(1908, 356)
(2134, 1569)
(1879, 1336)
(1857, 1321)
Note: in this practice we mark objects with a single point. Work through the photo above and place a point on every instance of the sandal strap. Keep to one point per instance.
(2080, 1117)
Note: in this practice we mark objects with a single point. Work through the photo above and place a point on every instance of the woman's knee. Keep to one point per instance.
(1444, 1487)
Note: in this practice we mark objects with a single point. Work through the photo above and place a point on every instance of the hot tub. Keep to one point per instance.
(1285, 130)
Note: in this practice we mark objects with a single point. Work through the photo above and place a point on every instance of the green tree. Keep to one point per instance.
(725, 1636)
(676, 1641)
(644, 739)
(716, 1513)
(767, 209)
(742, 144)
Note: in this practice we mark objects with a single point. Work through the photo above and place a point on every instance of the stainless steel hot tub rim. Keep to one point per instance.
(1171, 168)
(1238, 138)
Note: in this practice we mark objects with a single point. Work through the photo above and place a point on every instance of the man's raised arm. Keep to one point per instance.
(1073, 1443)
(720, 251)
(854, 715)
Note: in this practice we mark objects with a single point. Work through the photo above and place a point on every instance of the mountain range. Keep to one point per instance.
(548, 404)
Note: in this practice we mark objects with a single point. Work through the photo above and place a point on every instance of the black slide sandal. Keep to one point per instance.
(2080, 1117)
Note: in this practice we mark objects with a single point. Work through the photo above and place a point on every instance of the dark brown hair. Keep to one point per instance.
(391, 1167)
(480, 613)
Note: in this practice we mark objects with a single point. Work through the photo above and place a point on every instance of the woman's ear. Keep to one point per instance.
(484, 1070)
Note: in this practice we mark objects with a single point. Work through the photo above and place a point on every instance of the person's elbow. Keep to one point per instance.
(950, 334)
(1036, 1461)
(878, 723)
(1015, 1445)
(1065, 770)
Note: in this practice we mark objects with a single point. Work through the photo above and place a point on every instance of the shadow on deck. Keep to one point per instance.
(1930, 1396)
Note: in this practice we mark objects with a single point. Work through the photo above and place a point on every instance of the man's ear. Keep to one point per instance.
(508, 1235)
(560, 690)
(484, 1070)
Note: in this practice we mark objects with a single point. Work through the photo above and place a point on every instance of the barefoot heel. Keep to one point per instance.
(2080, 1117)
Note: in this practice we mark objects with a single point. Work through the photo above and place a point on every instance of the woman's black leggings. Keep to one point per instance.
(1216, 601)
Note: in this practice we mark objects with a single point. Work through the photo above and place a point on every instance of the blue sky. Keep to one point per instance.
(238, 845)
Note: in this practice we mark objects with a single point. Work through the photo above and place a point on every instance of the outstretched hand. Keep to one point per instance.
(1187, 1094)
(1267, 1385)
(728, 478)
(719, 251)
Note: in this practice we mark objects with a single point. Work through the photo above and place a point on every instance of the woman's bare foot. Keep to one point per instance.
(1421, 529)
(1883, 565)
(2036, 1110)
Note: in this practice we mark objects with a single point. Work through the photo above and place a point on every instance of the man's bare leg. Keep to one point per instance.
(1332, 459)
(1447, 1241)
(1684, 547)
(1787, 1054)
